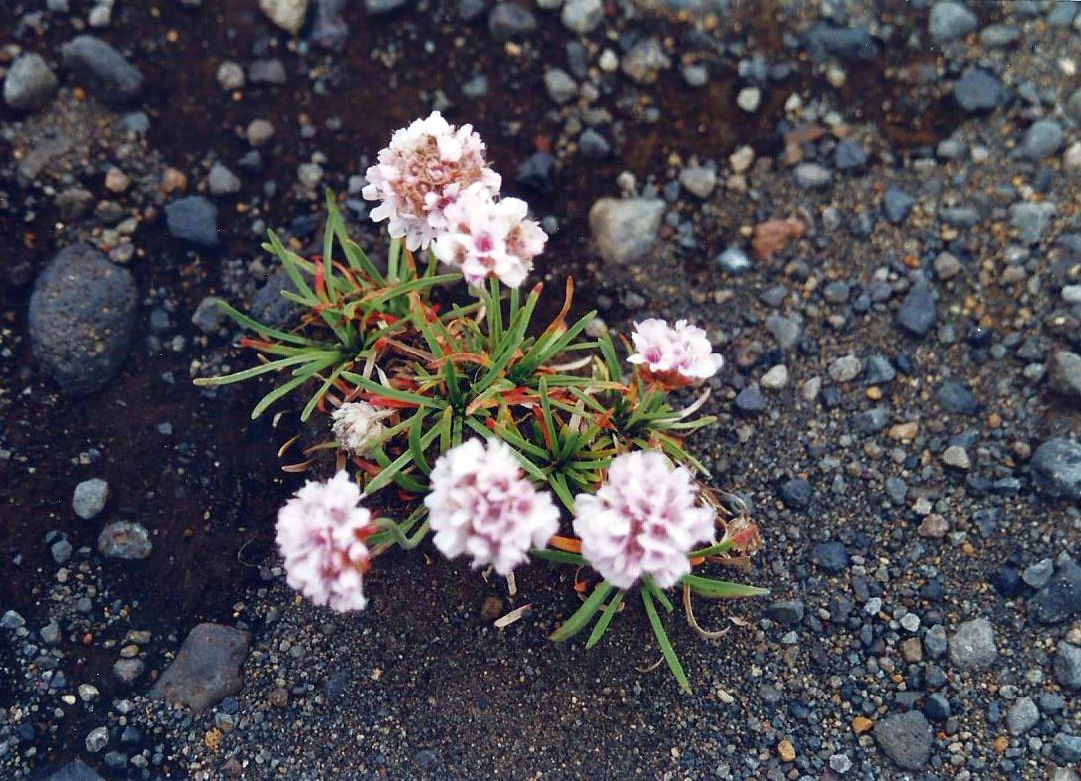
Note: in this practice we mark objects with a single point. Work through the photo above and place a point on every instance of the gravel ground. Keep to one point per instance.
(873, 209)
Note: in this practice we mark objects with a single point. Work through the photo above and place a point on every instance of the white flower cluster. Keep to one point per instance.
(643, 521)
(675, 355)
(321, 533)
(436, 190)
(481, 505)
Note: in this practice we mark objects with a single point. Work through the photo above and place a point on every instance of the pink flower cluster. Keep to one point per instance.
(643, 521)
(425, 168)
(481, 505)
(489, 238)
(436, 190)
(674, 355)
(321, 533)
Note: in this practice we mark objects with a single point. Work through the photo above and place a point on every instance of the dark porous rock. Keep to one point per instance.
(103, 69)
(1067, 748)
(193, 219)
(786, 611)
(956, 397)
(1056, 468)
(851, 44)
(82, 318)
(73, 771)
(207, 668)
(269, 306)
(1060, 599)
(796, 493)
(919, 310)
(849, 154)
(1068, 665)
(896, 204)
(125, 540)
(751, 400)
(978, 91)
(830, 556)
(905, 738)
(537, 172)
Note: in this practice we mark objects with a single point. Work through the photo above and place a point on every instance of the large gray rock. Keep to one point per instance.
(625, 229)
(30, 83)
(103, 69)
(905, 738)
(207, 669)
(82, 318)
(1056, 468)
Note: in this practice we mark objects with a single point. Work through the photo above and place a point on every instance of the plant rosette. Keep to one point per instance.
(509, 441)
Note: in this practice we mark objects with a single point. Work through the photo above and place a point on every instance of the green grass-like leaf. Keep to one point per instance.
(581, 617)
(667, 650)
(721, 589)
(606, 618)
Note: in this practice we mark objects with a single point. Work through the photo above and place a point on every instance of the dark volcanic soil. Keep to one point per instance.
(420, 686)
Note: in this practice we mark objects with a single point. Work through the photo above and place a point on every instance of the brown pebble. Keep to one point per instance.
(912, 650)
(279, 698)
(491, 609)
(934, 526)
(786, 751)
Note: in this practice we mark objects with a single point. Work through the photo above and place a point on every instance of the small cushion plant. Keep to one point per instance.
(481, 423)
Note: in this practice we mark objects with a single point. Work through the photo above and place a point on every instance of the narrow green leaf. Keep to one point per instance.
(327, 383)
(606, 618)
(558, 556)
(390, 471)
(263, 330)
(301, 376)
(393, 393)
(667, 650)
(265, 368)
(721, 589)
(289, 263)
(659, 595)
(712, 550)
(582, 616)
(608, 349)
(415, 446)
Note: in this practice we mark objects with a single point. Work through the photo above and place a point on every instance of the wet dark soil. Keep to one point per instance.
(208, 488)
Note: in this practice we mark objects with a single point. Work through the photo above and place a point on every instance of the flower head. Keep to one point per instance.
(490, 238)
(321, 533)
(482, 505)
(424, 170)
(358, 425)
(676, 355)
(643, 521)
